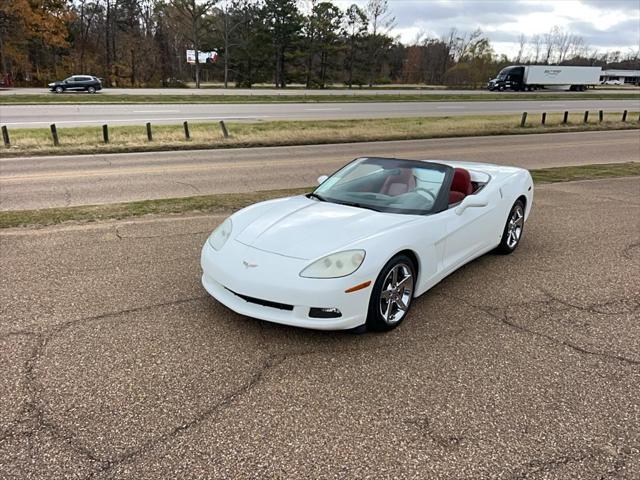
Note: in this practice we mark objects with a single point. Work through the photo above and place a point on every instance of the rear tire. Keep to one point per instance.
(392, 294)
(91, 89)
(513, 229)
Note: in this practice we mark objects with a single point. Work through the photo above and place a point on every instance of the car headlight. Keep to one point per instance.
(52, 84)
(335, 265)
(221, 234)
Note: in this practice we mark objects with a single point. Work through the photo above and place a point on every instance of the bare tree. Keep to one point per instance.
(229, 24)
(381, 21)
(193, 14)
(550, 40)
(522, 42)
(536, 47)
(564, 40)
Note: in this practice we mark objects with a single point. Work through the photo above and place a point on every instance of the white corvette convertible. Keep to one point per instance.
(372, 237)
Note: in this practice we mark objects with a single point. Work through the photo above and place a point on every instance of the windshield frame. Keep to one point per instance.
(442, 199)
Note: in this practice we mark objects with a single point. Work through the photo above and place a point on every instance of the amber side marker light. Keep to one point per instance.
(358, 287)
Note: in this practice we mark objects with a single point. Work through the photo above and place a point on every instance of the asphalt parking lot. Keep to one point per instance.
(115, 364)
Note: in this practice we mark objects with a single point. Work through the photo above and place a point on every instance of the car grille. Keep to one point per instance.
(264, 303)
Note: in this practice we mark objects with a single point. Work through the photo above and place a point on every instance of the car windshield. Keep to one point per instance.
(386, 185)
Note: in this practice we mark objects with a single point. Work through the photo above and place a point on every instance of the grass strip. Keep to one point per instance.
(102, 98)
(125, 139)
(228, 202)
(585, 172)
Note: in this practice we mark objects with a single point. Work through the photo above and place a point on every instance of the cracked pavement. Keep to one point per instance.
(115, 364)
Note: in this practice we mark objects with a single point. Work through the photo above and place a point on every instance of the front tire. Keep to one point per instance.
(392, 294)
(59, 89)
(513, 229)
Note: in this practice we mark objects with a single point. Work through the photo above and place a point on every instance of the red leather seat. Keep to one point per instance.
(398, 184)
(460, 186)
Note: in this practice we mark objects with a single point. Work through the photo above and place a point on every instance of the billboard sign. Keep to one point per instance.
(203, 57)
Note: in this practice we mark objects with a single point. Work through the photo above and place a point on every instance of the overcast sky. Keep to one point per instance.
(604, 24)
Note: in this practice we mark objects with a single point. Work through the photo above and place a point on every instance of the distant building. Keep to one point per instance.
(624, 76)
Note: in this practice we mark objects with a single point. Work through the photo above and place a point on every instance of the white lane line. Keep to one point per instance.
(125, 120)
(156, 111)
(450, 107)
(322, 109)
(547, 105)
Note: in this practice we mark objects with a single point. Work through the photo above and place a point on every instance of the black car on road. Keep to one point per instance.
(77, 82)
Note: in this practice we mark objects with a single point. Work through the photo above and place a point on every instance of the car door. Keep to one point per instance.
(472, 231)
(78, 83)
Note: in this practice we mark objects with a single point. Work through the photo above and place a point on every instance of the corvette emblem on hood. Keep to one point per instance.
(249, 265)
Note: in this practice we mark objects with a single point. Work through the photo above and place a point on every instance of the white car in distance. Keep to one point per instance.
(372, 237)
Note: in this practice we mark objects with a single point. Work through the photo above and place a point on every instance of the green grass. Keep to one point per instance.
(124, 139)
(585, 172)
(48, 98)
(228, 202)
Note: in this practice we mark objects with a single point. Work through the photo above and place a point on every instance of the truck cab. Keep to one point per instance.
(509, 78)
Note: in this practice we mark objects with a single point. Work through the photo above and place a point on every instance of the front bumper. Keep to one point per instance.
(276, 279)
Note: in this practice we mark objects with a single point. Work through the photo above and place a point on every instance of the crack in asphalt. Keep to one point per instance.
(270, 362)
(619, 457)
(423, 425)
(32, 414)
(626, 252)
(187, 184)
(120, 236)
(593, 308)
(535, 466)
(502, 316)
(67, 197)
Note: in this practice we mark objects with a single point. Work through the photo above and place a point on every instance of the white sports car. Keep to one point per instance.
(372, 237)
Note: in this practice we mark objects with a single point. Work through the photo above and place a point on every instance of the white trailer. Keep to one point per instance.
(532, 77)
(545, 75)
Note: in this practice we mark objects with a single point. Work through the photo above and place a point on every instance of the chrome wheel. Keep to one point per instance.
(514, 227)
(397, 292)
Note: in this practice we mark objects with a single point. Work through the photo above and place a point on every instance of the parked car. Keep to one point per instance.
(612, 82)
(77, 82)
(371, 238)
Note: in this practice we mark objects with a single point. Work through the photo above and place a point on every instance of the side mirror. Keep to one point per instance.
(470, 201)
(321, 179)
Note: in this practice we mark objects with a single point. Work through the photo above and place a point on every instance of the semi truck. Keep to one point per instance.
(533, 77)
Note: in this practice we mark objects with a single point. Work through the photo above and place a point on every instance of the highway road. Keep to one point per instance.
(300, 91)
(41, 182)
(115, 364)
(137, 114)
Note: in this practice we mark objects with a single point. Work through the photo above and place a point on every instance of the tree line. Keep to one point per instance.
(279, 42)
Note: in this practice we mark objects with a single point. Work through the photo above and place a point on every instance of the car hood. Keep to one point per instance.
(303, 228)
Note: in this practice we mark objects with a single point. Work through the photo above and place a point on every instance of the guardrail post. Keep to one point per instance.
(54, 135)
(624, 116)
(5, 136)
(149, 132)
(586, 116)
(186, 130)
(600, 116)
(105, 133)
(565, 119)
(544, 117)
(523, 119)
(223, 127)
